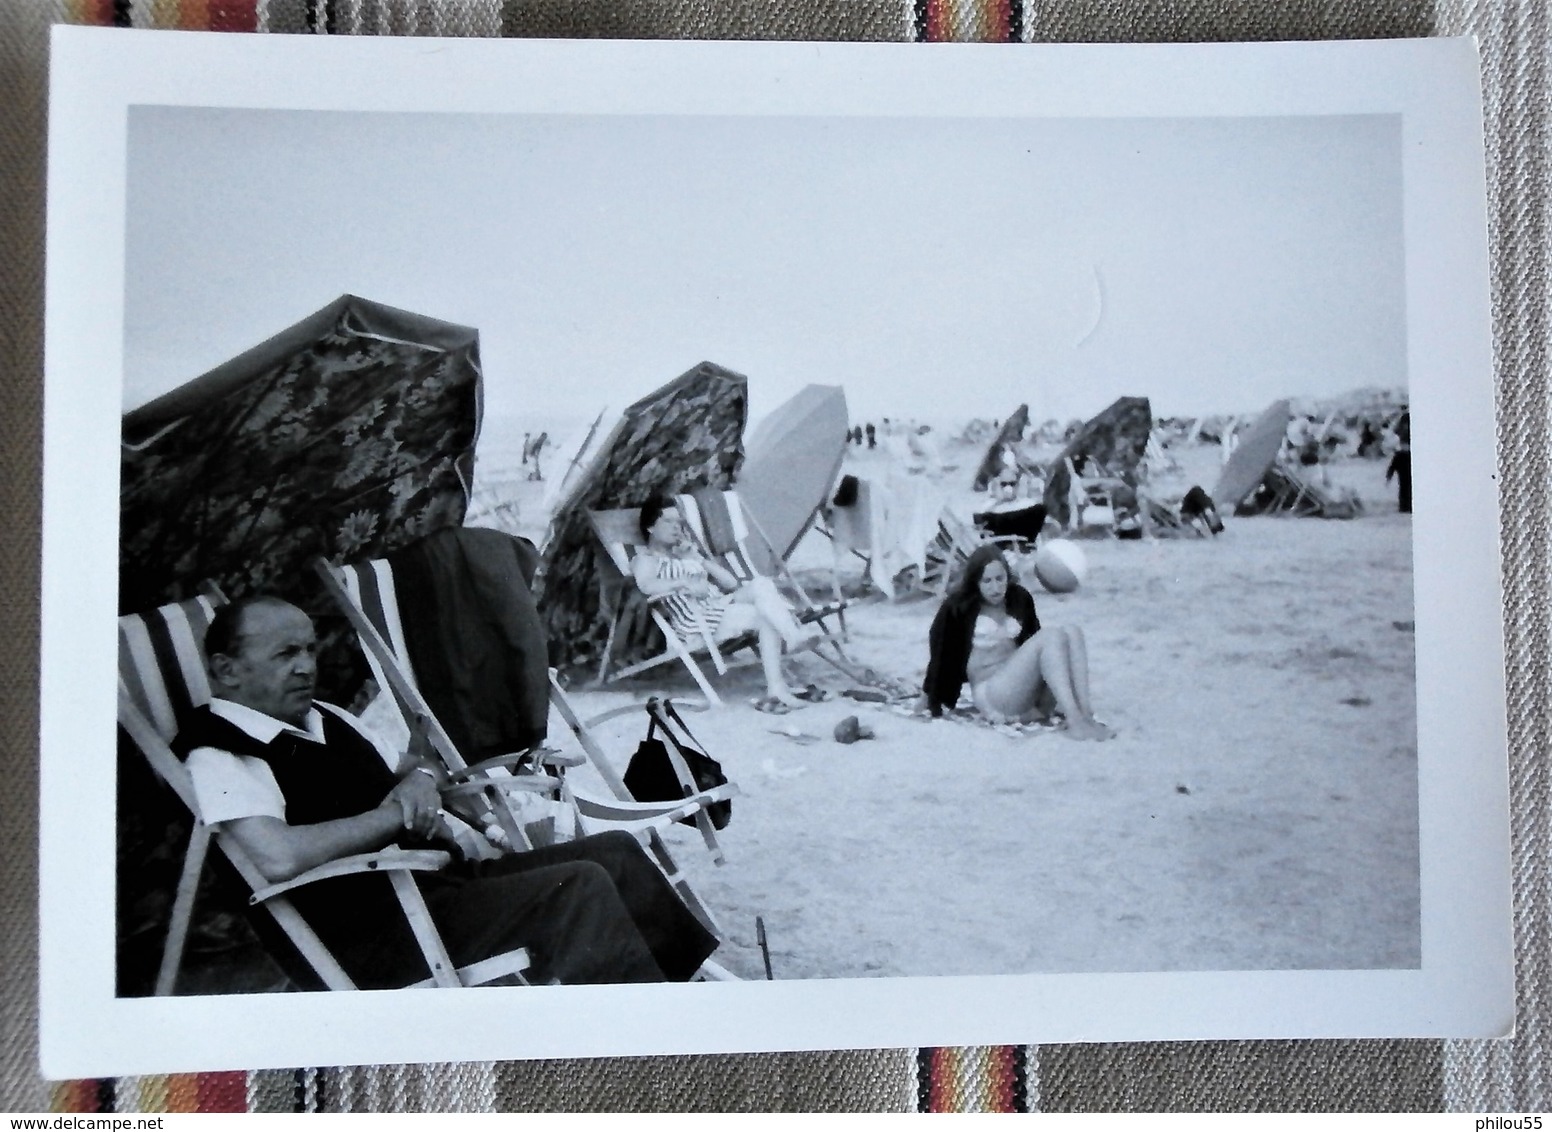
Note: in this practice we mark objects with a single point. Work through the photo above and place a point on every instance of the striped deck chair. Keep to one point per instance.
(483, 794)
(366, 593)
(1092, 497)
(952, 547)
(719, 522)
(619, 532)
(594, 816)
(1289, 489)
(162, 676)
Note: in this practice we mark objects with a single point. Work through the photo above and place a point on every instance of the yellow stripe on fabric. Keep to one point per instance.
(962, 20)
(161, 13)
(153, 1092)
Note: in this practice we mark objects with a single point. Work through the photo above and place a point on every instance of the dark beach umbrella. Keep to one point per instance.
(1012, 432)
(348, 435)
(686, 435)
(1116, 438)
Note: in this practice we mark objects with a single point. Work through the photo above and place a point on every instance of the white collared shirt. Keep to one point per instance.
(229, 786)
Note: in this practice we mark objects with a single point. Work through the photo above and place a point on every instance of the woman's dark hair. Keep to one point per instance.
(966, 593)
(651, 511)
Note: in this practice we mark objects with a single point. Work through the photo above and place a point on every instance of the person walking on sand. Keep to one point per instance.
(1401, 464)
(702, 597)
(987, 633)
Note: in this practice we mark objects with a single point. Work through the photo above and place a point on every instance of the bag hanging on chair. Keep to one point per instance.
(652, 777)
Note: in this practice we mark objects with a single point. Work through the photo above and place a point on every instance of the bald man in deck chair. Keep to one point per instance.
(298, 783)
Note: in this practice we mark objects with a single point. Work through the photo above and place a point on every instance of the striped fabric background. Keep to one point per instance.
(1277, 1076)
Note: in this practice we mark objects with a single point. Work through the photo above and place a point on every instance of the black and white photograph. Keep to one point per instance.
(759, 547)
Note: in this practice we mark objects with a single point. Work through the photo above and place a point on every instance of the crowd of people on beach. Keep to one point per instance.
(595, 908)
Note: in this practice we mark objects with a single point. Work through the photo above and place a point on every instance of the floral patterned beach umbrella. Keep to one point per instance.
(348, 435)
(1117, 438)
(686, 435)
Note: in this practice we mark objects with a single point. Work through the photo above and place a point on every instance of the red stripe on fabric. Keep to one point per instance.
(234, 15)
(223, 1092)
(98, 12)
(944, 1091)
(1001, 33)
(999, 1078)
(937, 29)
(76, 1096)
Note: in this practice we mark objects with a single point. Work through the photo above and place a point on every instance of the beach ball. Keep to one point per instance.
(1060, 566)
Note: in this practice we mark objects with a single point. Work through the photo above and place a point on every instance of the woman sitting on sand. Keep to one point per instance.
(986, 632)
(700, 597)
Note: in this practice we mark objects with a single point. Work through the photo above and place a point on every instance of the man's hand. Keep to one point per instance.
(472, 845)
(417, 800)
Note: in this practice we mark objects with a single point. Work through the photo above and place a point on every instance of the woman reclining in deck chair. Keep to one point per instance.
(703, 597)
(986, 632)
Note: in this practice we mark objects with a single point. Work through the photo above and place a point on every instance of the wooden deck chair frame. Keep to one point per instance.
(1160, 514)
(619, 533)
(161, 675)
(365, 586)
(1294, 492)
(740, 563)
(698, 801)
(955, 542)
(1094, 491)
(366, 594)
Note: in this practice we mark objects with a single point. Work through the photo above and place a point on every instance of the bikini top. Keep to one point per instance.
(994, 631)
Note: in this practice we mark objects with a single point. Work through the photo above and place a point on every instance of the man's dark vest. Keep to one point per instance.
(357, 917)
(339, 778)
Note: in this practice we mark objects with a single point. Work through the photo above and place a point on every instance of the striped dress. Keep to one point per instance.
(681, 608)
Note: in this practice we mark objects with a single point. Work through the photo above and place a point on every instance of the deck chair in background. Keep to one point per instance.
(952, 547)
(162, 676)
(619, 533)
(1020, 527)
(722, 527)
(1194, 516)
(1288, 489)
(1092, 497)
(365, 592)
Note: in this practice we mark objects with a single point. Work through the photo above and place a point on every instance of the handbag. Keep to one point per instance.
(651, 775)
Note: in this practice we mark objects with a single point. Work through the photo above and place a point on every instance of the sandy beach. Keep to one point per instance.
(1257, 810)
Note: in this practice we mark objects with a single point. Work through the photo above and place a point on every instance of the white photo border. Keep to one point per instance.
(1465, 986)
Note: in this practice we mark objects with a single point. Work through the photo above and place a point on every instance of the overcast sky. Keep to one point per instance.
(938, 269)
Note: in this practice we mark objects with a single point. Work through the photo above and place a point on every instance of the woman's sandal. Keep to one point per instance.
(814, 694)
(770, 705)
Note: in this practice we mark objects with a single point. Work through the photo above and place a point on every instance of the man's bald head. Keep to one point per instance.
(262, 653)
